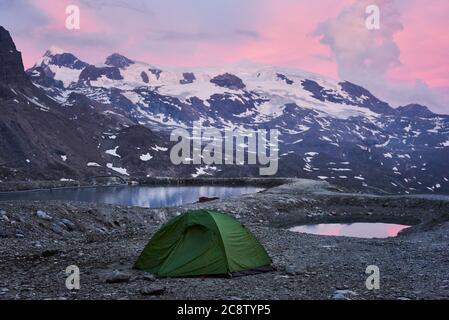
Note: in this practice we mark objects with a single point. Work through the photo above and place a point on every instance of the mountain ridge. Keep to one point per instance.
(121, 62)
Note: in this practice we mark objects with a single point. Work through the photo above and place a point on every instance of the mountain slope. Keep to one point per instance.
(122, 112)
(330, 130)
(42, 139)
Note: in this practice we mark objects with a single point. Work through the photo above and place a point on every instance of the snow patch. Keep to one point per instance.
(116, 169)
(146, 157)
(157, 148)
(93, 164)
(113, 152)
(203, 171)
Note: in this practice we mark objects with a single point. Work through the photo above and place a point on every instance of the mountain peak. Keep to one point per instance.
(415, 110)
(11, 64)
(61, 58)
(118, 60)
(54, 51)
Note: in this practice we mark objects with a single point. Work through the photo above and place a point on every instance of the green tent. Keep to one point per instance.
(202, 242)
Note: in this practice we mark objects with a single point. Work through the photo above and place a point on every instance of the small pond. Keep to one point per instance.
(356, 230)
(138, 196)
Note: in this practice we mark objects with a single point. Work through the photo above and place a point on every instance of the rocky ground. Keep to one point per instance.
(38, 240)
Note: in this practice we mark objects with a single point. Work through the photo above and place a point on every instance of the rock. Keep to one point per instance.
(207, 199)
(68, 224)
(152, 291)
(161, 216)
(292, 270)
(4, 234)
(92, 73)
(49, 253)
(43, 215)
(234, 298)
(37, 244)
(11, 68)
(229, 81)
(101, 230)
(343, 294)
(119, 61)
(149, 277)
(4, 291)
(117, 277)
(57, 228)
(189, 77)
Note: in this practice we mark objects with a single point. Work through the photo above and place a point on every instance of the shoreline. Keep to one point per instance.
(18, 186)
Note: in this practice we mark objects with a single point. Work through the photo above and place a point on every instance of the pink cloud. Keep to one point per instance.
(56, 11)
(424, 44)
(274, 32)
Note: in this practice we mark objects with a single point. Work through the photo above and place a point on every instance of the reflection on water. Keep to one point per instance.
(356, 230)
(140, 196)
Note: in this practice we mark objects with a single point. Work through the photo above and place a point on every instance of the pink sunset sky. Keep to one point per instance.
(403, 62)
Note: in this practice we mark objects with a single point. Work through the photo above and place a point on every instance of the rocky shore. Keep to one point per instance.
(39, 240)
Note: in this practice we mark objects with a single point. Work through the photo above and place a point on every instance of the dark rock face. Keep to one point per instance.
(92, 73)
(189, 77)
(117, 99)
(225, 106)
(367, 99)
(44, 77)
(415, 110)
(229, 81)
(119, 61)
(322, 94)
(30, 148)
(67, 60)
(167, 107)
(156, 72)
(136, 141)
(284, 78)
(11, 65)
(357, 96)
(144, 77)
(314, 88)
(207, 199)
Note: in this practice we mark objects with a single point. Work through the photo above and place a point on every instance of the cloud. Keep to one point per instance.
(82, 39)
(403, 62)
(183, 36)
(362, 55)
(366, 57)
(13, 11)
(202, 36)
(135, 5)
(248, 34)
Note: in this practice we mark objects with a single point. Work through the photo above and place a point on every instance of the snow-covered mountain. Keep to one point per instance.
(42, 139)
(252, 93)
(330, 130)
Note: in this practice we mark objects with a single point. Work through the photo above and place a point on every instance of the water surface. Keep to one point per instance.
(356, 230)
(138, 196)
